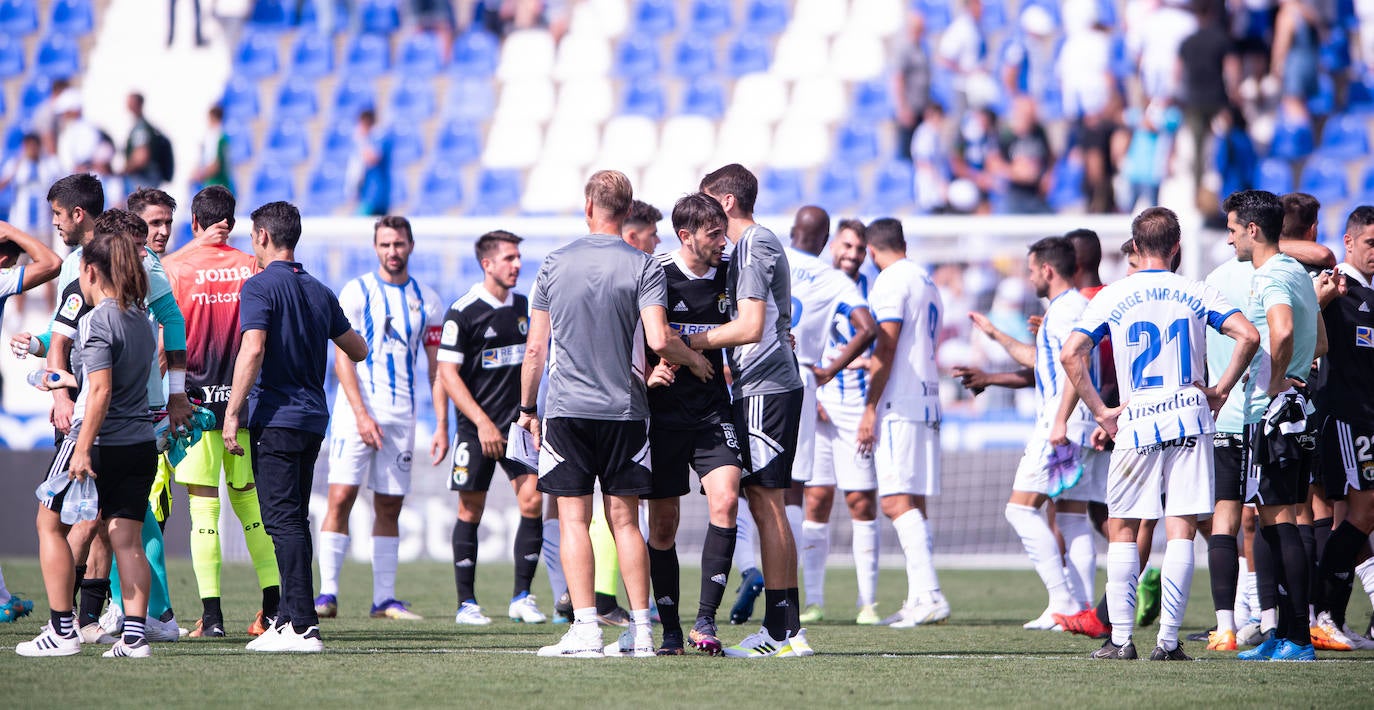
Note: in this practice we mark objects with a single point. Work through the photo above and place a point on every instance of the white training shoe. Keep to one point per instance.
(580, 641)
(266, 640)
(162, 631)
(523, 610)
(933, 610)
(113, 620)
(288, 641)
(92, 633)
(797, 646)
(141, 649)
(757, 645)
(1046, 622)
(470, 614)
(1250, 634)
(1357, 642)
(50, 643)
(637, 641)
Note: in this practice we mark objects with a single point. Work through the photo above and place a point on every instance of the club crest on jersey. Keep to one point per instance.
(723, 302)
(450, 335)
(523, 324)
(1364, 336)
(71, 306)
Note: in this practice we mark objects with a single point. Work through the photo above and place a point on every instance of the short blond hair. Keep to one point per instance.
(610, 190)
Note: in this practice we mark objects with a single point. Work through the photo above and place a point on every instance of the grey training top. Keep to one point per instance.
(123, 343)
(759, 270)
(593, 291)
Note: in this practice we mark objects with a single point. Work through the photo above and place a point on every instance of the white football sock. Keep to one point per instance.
(865, 549)
(1226, 620)
(1252, 593)
(552, 562)
(912, 533)
(1043, 551)
(1365, 571)
(384, 553)
(1269, 620)
(744, 538)
(1176, 579)
(1242, 607)
(794, 522)
(333, 547)
(1077, 530)
(1123, 570)
(815, 547)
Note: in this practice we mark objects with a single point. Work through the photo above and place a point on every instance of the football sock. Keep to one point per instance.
(775, 615)
(1295, 559)
(1308, 535)
(558, 584)
(205, 548)
(745, 534)
(385, 551)
(585, 616)
(211, 614)
(793, 610)
(464, 559)
(1252, 592)
(1365, 571)
(716, 553)
(76, 585)
(260, 549)
(605, 603)
(271, 602)
(1242, 605)
(1043, 550)
(529, 537)
(4, 592)
(159, 597)
(133, 629)
(604, 557)
(1267, 561)
(920, 569)
(795, 516)
(1103, 614)
(94, 592)
(1077, 530)
(664, 574)
(1224, 566)
(333, 547)
(1338, 561)
(865, 548)
(63, 622)
(1123, 569)
(1176, 580)
(815, 548)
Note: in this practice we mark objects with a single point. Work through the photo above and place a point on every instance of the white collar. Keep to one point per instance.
(479, 290)
(1352, 273)
(682, 266)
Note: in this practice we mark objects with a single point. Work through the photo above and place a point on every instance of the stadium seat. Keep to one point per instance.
(1066, 189)
(629, 142)
(837, 188)
(1323, 103)
(498, 191)
(58, 57)
(857, 143)
(687, 140)
(821, 98)
(994, 17)
(72, 17)
(366, 56)
(399, 201)
(526, 54)
(309, 17)
(412, 99)
(312, 56)
(743, 140)
(339, 141)
(526, 99)
(1367, 184)
(420, 56)
(871, 100)
(694, 56)
(296, 100)
(881, 18)
(240, 135)
(353, 95)
(662, 184)
(1345, 136)
(286, 143)
(273, 183)
(269, 15)
(704, 97)
(590, 100)
(710, 17)
(582, 56)
(894, 188)
(34, 93)
(1325, 179)
(441, 190)
(379, 16)
(1275, 175)
(654, 18)
(637, 56)
(1360, 99)
(820, 18)
(14, 139)
(325, 189)
(552, 189)
(512, 144)
(644, 97)
(760, 96)
(11, 57)
(19, 17)
(240, 100)
(1292, 139)
(407, 145)
(857, 57)
(571, 142)
(749, 54)
(766, 17)
(780, 192)
(458, 142)
(800, 142)
(257, 56)
(470, 98)
(938, 14)
(475, 54)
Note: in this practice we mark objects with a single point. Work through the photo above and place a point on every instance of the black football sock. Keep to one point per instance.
(211, 613)
(1224, 562)
(271, 601)
(775, 614)
(1338, 570)
(605, 603)
(1102, 612)
(716, 554)
(465, 560)
(1267, 562)
(665, 574)
(1295, 581)
(76, 584)
(94, 592)
(793, 609)
(529, 541)
(63, 622)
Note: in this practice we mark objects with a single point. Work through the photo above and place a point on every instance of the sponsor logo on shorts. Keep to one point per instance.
(403, 461)
(728, 429)
(1187, 442)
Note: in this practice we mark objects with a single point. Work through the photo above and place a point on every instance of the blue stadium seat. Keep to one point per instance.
(1066, 190)
(695, 56)
(14, 138)
(637, 56)
(471, 99)
(1324, 178)
(704, 97)
(475, 54)
(644, 97)
(286, 143)
(766, 17)
(338, 143)
(58, 57)
(325, 189)
(1345, 136)
(413, 100)
(780, 191)
(420, 56)
(894, 188)
(240, 100)
(837, 188)
(498, 191)
(1292, 140)
(711, 17)
(11, 57)
(34, 93)
(871, 100)
(1106, 13)
(857, 143)
(272, 183)
(72, 17)
(312, 57)
(257, 56)
(269, 15)
(407, 145)
(1275, 175)
(400, 194)
(240, 135)
(353, 95)
(1367, 184)
(379, 16)
(367, 56)
(19, 17)
(654, 18)
(1335, 52)
(296, 100)
(937, 13)
(749, 53)
(441, 190)
(459, 142)
(1360, 99)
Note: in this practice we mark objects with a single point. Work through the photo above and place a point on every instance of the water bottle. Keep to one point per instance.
(164, 440)
(82, 502)
(52, 486)
(40, 377)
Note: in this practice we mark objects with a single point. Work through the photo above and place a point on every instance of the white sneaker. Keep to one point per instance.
(934, 610)
(525, 611)
(577, 643)
(113, 620)
(637, 641)
(757, 645)
(92, 633)
(50, 643)
(470, 614)
(1250, 634)
(797, 646)
(142, 649)
(162, 631)
(266, 640)
(288, 641)
(1046, 622)
(1357, 642)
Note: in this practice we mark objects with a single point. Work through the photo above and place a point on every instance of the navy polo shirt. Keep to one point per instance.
(300, 316)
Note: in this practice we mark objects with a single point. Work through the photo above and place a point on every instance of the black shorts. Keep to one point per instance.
(576, 453)
(61, 459)
(1228, 469)
(770, 423)
(1347, 455)
(471, 470)
(124, 478)
(1275, 483)
(674, 451)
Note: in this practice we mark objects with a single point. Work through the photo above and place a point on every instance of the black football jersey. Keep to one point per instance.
(486, 339)
(695, 304)
(1349, 390)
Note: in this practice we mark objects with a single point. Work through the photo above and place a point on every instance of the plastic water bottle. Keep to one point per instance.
(52, 486)
(164, 441)
(82, 502)
(38, 378)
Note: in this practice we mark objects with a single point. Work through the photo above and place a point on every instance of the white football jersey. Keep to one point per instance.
(818, 291)
(1050, 378)
(850, 386)
(398, 321)
(904, 293)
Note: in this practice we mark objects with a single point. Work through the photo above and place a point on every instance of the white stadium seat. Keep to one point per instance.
(877, 18)
(820, 98)
(759, 97)
(629, 141)
(800, 55)
(528, 99)
(606, 18)
(857, 56)
(744, 140)
(664, 183)
(571, 141)
(526, 54)
(582, 55)
(820, 17)
(512, 143)
(687, 140)
(552, 188)
(588, 99)
(800, 142)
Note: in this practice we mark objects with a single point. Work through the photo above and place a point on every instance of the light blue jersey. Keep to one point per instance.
(1232, 280)
(1282, 281)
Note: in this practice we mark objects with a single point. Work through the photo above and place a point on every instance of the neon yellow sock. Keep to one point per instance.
(260, 547)
(603, 553)
(205, 548)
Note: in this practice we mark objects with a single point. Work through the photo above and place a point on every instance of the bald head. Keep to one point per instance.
(810, 229)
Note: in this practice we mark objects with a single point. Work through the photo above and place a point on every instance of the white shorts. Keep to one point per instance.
(1179, 472)
(838, 461)
(387, 470)
(803, 462)
(1092, 487)
(907, 457)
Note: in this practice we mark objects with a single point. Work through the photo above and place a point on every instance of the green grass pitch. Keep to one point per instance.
(980, 658)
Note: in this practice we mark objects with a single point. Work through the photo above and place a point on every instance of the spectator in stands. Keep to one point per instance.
(195, 18)
(911, 83)
(931, 157)
(81, 147)
(31, 173)
(962, 50)
(146, 152)
(1209, 64)
(372, 166)
(45, 119)
(214, 168)
(1237, 162)
(1086, 83)
(1027, 58)
(974, 155)
(1101, 141)
(1297, 44)
(1157, 37)
(1147, 159)
(1027, 160)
